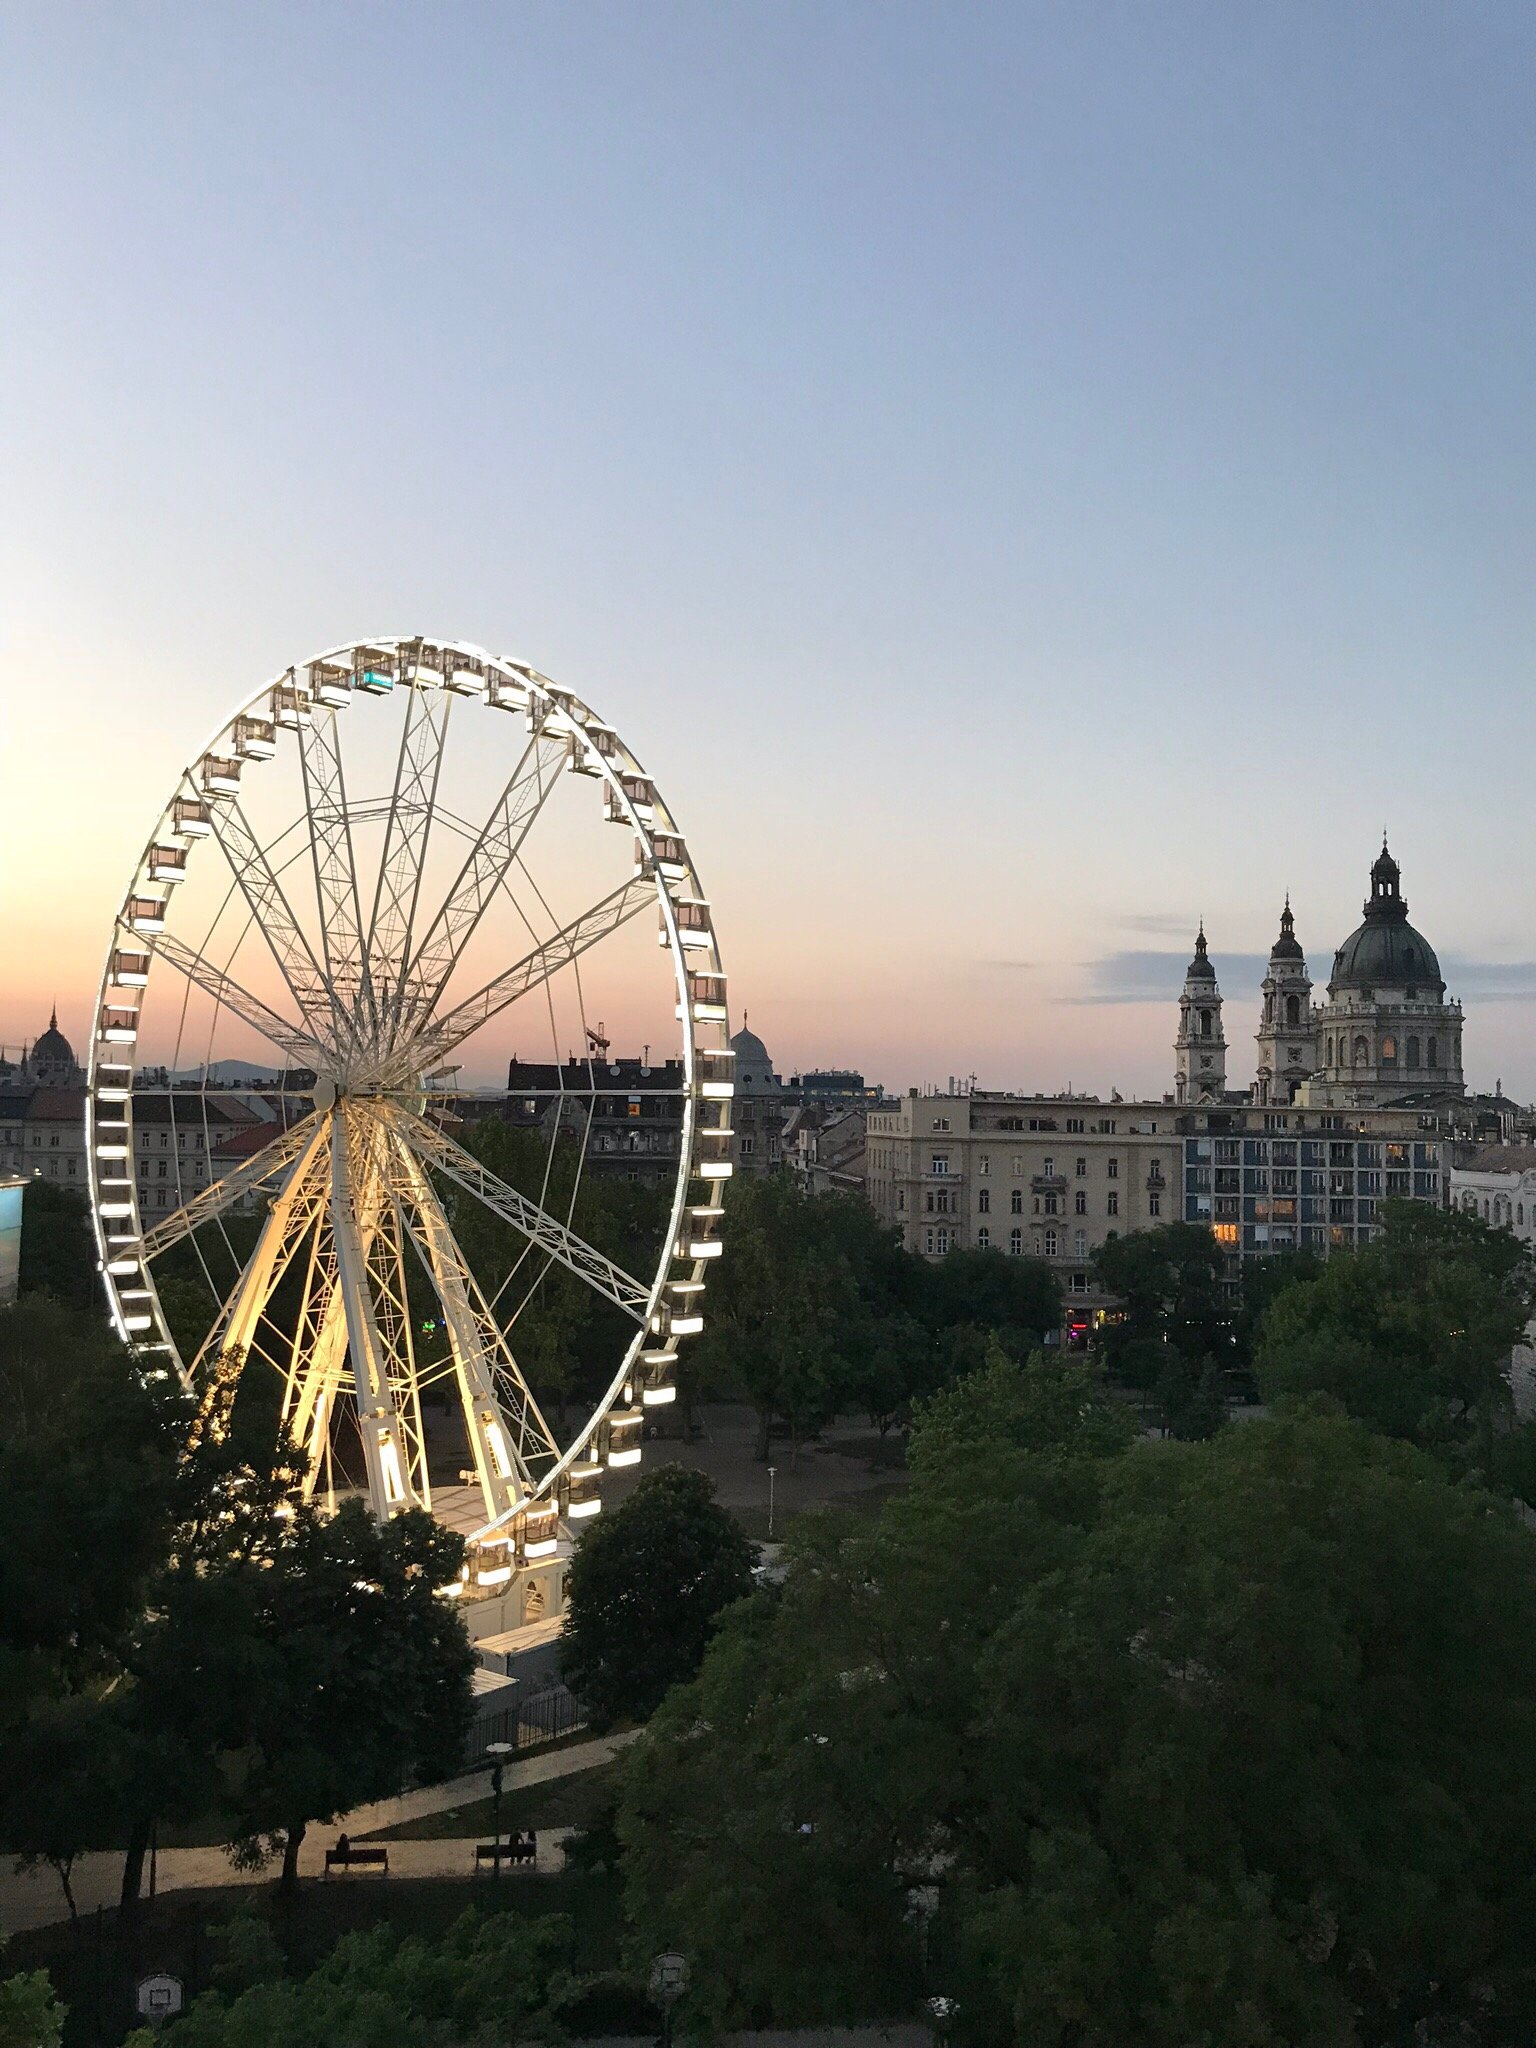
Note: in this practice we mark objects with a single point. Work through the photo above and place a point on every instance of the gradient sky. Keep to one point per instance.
(1022, 477)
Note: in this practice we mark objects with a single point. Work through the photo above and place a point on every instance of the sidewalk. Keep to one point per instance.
(34, 1899)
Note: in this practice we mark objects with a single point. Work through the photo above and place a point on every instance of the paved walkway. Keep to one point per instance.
(33, 1898)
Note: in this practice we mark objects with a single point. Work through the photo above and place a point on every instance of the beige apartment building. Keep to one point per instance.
(1050, 1177)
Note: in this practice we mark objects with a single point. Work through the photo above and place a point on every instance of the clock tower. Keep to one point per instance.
(1287, 1036)
(1200, 1050)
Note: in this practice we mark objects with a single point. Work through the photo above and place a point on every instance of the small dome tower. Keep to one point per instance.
(1200, 1050)
(1287, 1037)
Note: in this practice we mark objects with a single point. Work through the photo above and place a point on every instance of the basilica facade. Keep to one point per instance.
(1385, 1034)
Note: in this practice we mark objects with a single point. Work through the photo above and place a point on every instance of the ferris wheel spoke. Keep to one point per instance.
(489, 862)
(341, 920)
(273, 915)
(248, 1178)
(525, 1216)
(356, 1197)
(301, 1047)
(505, 1445)
(433, 1044)
(406, 832)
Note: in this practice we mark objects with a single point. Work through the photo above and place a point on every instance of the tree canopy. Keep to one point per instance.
(1221, 1742)
(646, 1586)
(1412, 1333)
(818, 1308)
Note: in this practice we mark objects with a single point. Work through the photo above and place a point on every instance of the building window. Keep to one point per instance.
(942, 1237)
(984, 1201)
(1015, 1242)
(901, 1198)
(983, 1239)
(748, 1147)
(941, 1123)
(1112, 1204)
(1080, 1245)
(1016, 1201)
(1389, 1051)
(984, 1163)
(1080, 1203)
(1050, 1244)
(1413, 1051)
(1112, 1168)
(1050, 1205)
(1434, 1053)
(1074, 1123)
(1048, 1165)
(939, 1163)
(1082, 1168)
(1154, 1205)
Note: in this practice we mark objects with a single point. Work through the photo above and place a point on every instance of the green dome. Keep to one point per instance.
(1386, 950)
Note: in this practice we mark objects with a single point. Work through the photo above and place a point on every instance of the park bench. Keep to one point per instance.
(357, 1859)
(496, 1854)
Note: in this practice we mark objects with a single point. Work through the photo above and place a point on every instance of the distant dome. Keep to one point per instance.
(753, 1070)
(748, 1046)
(1386, 950)
(53, 1049)
(1200, 968)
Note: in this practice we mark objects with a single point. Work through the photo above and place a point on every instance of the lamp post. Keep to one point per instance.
(498, 1752)
(771, 1470)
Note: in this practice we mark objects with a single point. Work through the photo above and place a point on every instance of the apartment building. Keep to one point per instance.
(1051, 1177)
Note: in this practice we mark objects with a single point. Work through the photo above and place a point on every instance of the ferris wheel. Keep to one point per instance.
(370, 927)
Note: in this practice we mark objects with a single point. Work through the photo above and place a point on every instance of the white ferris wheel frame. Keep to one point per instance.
(356, 1174)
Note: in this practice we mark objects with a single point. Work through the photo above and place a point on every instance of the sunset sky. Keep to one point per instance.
(1021, 477)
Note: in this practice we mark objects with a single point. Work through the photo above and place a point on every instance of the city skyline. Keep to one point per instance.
(1003, 550)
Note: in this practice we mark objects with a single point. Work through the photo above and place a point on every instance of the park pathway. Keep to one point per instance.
(33, 1898)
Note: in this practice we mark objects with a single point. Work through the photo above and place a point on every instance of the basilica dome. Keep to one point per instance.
(1386, 951)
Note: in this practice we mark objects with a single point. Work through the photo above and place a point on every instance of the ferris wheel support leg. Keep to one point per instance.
(308, 1417)
(290, 1217)
(503, 1478)
(384, 1452)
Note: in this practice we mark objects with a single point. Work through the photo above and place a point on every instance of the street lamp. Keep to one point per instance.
(771, 1470)
(498, 1752)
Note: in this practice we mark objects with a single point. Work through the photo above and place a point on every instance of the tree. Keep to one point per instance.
(1169, 1281)
(1017, 1299)
(491, 1977)
(30, 2015)
(89, 1493)
(840, 1711)
(332, 1670)
(58, 1257)
(1221, 1742)
(1412, 1333)
(646, 1588)
(787, 1328)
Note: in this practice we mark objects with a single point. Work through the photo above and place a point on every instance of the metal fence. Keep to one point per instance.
(526, 1721)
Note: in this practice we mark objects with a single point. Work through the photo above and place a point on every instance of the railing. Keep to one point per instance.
(536, 1718)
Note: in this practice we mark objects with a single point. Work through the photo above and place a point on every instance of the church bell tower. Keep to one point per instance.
(1200, 1050)
(1287, 1037)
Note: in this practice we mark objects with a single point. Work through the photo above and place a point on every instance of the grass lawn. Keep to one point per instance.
(572, 1802)
(95, 1968)
(863, 1500)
